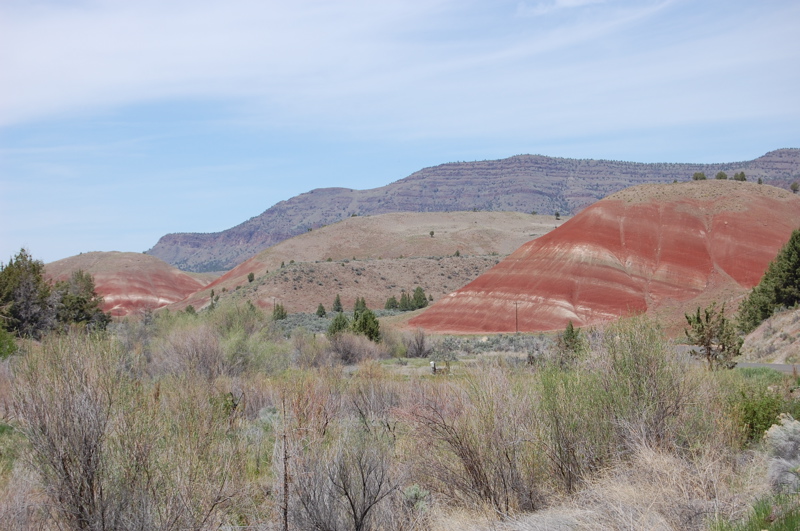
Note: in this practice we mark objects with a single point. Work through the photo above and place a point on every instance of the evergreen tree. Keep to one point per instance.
(339, 324)
(739, 176)
(779, 287)
(366, 324)
(722, 176)
(321, 310)
(391, 303)
(337, 304)
(699, 176)
(570, 345)
(419, 300)
(279, 312)
(27, 304)
(359, 307)
(405, 302)
(80, 303)
(710, 330)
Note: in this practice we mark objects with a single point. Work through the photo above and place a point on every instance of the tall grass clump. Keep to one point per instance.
(479, 447)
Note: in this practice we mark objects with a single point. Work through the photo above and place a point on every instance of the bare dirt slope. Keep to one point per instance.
(393, 252)
(776, 340)
(523, 183)
(662, 249)
(130, 282)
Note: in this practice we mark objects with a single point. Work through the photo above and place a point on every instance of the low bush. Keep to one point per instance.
(351, 348)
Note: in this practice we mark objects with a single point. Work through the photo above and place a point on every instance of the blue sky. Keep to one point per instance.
(122, 121)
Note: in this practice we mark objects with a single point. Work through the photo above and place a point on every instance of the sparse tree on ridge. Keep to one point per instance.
(721, 176)
(321, 310)
(337, 304)
(739, 176)
(794, 187)
(699, 176)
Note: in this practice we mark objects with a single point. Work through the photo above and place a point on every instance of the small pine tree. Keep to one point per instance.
(279, 312)
(337, 304)
(321, 310)
(251, 276)
(739, 176)
(571, 345)
(760, 181)
(710, 330)
(431, 234)
(339, 324)
(794, 187)
(366, 324)
(405, 302)
(721, 176)
(359, 307)
(391, 303)
(419, 300)
(699, 176)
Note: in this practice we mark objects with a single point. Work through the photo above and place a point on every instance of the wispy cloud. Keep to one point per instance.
(98, 94)
(529, 9)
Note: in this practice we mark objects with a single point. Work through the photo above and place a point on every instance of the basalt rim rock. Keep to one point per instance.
(661, 249)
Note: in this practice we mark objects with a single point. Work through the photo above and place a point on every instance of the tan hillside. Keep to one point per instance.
(378, 243)
(776, 340)
(523, 183)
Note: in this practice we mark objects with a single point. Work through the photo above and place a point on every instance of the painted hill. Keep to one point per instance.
(393, 251)
(523, 184)
(664, 249)
(130, 282)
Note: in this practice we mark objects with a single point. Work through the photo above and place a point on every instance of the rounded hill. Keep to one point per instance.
(130, 282)
(659, 248)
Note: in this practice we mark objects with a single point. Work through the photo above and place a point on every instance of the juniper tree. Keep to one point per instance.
(779, 287)
(716, 336)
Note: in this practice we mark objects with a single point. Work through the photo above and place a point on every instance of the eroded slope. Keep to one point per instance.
(652, 248)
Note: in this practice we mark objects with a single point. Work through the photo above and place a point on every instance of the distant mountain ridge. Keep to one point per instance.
(522, 183)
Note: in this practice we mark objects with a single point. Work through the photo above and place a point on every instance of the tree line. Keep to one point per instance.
(30, 306)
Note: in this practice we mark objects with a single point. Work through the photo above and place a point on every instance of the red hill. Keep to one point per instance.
(130, 282)
(661, 249)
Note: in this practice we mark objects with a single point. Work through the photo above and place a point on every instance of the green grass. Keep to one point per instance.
(776, 513)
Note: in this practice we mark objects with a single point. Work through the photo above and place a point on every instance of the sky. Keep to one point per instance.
(123, 121)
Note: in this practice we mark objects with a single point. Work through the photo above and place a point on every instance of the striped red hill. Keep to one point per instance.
(662, 249)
